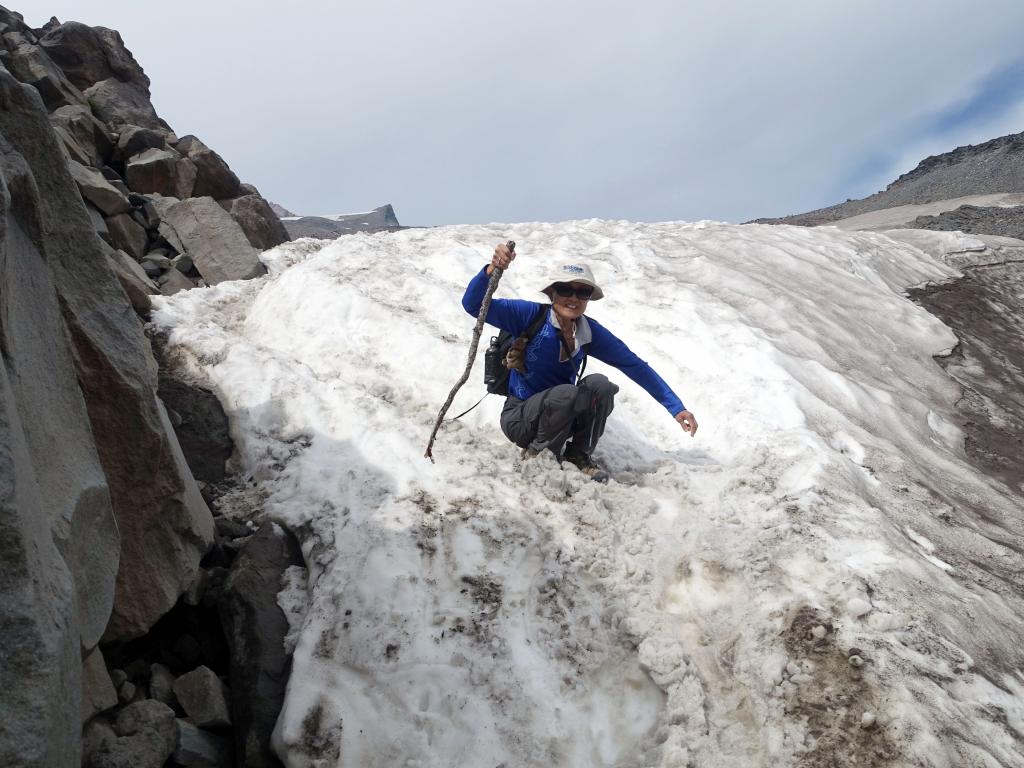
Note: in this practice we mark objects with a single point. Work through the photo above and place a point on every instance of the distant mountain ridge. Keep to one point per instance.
(994, 166)
(382, 219)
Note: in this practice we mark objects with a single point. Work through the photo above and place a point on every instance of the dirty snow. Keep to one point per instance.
(817, 578)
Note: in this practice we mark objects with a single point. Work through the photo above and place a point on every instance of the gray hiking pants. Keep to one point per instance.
(549, 418)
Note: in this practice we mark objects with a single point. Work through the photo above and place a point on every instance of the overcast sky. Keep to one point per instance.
(468, 111)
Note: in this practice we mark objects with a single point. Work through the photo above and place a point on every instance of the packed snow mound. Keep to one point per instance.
(818, 578)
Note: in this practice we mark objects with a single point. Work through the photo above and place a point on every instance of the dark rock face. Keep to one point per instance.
(58, 540)
(985, 309)
(164, 523)
(995, 166)
(255, 627)
(1008, 222)
(102, 525)
(202, 428)
(381, 219)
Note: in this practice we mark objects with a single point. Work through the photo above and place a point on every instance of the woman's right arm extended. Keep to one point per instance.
(510, 315)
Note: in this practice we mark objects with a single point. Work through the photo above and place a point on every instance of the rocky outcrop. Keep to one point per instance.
(988, 168)
(90, 54)
(84, 442)
(121, 151)
(164, 525)
(23, 58)
(972, 219)
(380, 219)
(102, 524)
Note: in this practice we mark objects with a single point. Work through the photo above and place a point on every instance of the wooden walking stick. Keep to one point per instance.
(473, 346)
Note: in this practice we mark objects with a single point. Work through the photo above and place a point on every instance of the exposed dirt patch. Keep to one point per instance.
(825, 686)
(486, 594)
(321, 737)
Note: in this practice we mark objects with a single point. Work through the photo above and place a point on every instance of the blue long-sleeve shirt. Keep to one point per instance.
(544, 368)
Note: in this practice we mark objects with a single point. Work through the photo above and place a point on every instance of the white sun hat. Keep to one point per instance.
(573, 273)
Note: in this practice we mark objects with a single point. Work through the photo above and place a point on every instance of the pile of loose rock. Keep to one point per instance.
(172, 212)
(165, 696)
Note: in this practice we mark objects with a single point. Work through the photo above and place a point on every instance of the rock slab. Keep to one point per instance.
(216, 244)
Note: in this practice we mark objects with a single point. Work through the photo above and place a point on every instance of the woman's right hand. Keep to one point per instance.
(502, 259)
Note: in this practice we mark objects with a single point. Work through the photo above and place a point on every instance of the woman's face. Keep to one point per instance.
(572, 306)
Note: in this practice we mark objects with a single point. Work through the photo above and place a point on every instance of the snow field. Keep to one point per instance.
(704, 607)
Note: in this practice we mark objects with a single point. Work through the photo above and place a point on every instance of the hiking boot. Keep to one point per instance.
(529, 453)
(586, 465)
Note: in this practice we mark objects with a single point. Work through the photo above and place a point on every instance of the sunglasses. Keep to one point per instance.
(565, 290)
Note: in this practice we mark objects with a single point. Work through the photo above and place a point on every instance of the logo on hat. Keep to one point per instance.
(574, 268)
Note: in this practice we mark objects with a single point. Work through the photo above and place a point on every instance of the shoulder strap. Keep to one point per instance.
(583, 367)
(538, 322)
(579, 374)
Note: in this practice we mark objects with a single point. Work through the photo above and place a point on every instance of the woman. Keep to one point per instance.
(546, 407)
